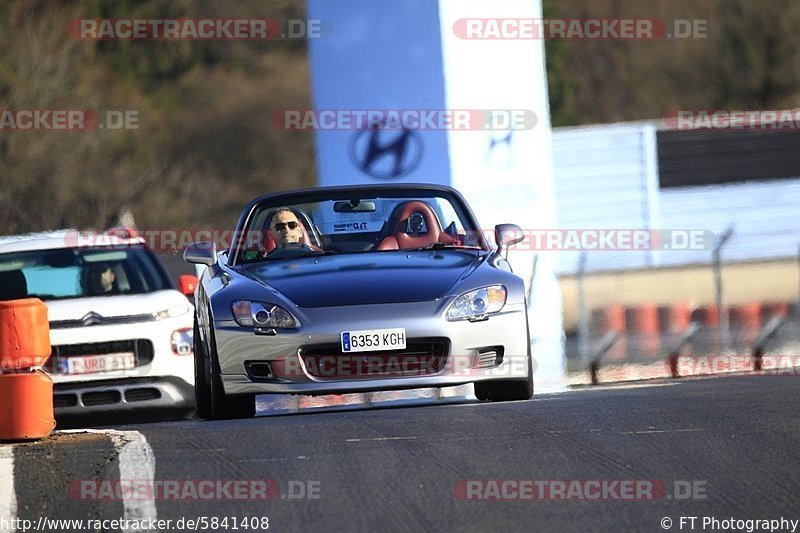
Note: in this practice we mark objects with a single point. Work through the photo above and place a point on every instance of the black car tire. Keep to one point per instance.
(483, 390)
(202, 389)
(223, 406)
(211, 401)
(506, 390)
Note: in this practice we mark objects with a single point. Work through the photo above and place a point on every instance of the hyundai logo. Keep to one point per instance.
(499, 153)
(386, 154)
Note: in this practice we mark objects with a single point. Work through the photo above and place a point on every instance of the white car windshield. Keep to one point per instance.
(74, 273)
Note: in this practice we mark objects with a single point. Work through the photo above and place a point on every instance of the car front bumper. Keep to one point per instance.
(164, 380)
(493, 349)
(122, 395)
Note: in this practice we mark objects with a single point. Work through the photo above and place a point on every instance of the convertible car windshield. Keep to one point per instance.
(365, 222)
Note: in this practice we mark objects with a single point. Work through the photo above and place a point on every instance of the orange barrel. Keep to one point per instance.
(745, 321)
(706, 315)
(707, 340)
(24, 334)
(680, 316)
(674, 320)
(664, 318)
(611, 318)
(328, 400)
(27, 406)
(643, 330)
(771, 309)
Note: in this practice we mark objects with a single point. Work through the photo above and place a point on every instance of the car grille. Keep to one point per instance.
(489, 357)
(104, 397)
(142, 394)
(421, 357)
(65, 400)
(104, 394)
(141, 348)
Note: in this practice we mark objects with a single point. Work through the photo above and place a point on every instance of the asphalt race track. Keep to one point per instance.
(723, 447)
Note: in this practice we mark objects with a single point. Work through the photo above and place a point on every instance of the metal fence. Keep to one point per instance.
(675, 341)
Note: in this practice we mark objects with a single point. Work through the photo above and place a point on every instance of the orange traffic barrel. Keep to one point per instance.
(642, 319)
(771, 309)
(611, 318)
(748, 315)
(746, 320)
(24, 334)
(328, 400)
(27, 406)
(643, 330)
(604, 320)
(676, 317)
(706, 315)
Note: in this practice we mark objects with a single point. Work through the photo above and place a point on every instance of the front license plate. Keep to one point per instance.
(91, 364)
(373, 340)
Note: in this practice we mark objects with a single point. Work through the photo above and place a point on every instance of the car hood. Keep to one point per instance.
(115, 306)
(369, 278)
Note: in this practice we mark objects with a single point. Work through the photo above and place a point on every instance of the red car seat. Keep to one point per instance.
(403, 235)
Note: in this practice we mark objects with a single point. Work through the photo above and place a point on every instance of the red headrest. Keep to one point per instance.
(404, 240)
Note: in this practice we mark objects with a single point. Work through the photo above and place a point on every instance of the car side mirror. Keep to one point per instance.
(201, 253)
(187, 284)
(506, 236)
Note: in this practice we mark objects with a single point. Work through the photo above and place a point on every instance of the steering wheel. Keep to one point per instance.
(290, 250)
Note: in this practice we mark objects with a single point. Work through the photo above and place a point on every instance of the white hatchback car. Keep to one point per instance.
(120, 329)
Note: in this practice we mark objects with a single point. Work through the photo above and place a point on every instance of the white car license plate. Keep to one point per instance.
(90, 364)
(373, 340)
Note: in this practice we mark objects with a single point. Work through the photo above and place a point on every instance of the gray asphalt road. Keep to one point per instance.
(724, 447)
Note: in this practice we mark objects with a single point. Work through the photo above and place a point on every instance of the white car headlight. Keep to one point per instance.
(477, 304)
(257, 314)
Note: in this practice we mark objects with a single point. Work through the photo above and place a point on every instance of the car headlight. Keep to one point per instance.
(477, 304)
(247, 313)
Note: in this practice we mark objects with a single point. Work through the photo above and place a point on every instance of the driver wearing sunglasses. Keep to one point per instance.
(286, 228)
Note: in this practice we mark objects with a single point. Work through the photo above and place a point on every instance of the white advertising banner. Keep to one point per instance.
(479, 115)
(379, 57)
(506, 170)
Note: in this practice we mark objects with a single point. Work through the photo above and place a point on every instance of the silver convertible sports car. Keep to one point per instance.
(359, 288)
